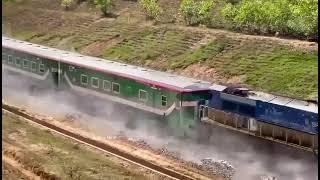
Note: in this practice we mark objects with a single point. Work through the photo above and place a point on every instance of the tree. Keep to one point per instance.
(195, 13)
(151, 8)
(66, 4)
(104, 6)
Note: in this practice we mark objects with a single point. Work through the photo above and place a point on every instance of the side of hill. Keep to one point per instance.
(281, 66)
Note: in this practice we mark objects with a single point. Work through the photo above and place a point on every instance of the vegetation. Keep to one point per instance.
(287, 17)
(196, 13)
(66, 4)
(105, 6)
(151, 8)
(201, 54)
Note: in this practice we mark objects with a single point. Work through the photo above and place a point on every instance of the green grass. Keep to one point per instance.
(62, 157)
(198, 55)
(280, 70)
(147, 45)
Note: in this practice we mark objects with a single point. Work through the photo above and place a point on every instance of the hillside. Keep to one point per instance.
(282, 66)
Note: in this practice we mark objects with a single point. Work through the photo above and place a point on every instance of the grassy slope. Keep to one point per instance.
(261, 64)
(58, 156)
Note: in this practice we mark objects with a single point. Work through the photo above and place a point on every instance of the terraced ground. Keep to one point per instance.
(286, 67)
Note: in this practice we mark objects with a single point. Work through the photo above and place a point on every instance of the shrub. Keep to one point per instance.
(66, 4)
(298, 17)
(196, 13)
(304, 18)
(151, 8)
(104, 6)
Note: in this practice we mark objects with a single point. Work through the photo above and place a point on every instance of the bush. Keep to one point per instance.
(297, 17)
(104, 6)
(66, 4)
(151, 8)
(196, 13)
(304, 18)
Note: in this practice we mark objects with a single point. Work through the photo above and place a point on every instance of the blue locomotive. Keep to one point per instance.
(290, 120)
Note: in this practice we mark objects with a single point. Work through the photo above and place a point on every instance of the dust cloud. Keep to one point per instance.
(251, 157)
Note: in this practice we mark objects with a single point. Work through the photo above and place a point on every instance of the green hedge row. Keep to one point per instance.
(287, 17)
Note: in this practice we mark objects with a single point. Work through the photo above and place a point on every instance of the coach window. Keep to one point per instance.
(71, 68)
(106, 85)
(95, 82)
(10, 60)
(33, 66)
(163, 100)
(41, 68)
(25, 63)
(84, 79)
(116, 88)
(143, 95)
(4, 56)
(18, 61)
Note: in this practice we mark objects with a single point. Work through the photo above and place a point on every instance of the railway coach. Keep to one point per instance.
(170, 98)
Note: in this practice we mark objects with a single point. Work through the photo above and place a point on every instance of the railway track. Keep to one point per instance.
(99, 145)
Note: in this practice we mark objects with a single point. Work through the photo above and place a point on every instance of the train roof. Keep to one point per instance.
(274, 99)
(157, 78)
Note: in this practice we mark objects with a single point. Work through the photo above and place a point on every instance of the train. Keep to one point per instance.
(177, 101)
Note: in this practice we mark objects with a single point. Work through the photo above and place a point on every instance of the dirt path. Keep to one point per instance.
(20, 168)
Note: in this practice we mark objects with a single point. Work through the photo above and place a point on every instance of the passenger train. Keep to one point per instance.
(180, 102)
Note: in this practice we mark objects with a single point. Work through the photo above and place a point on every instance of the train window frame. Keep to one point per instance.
(17, 59)
(104, 85)
(10, 59)
(71, 68)
(25, 63)
(113, 89)
(41, 68)
(33, 66)
(146, 95)
(81, 79)
(98, 82)
(164, 102)
(4, 57)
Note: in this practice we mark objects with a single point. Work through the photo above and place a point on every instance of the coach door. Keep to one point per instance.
(202, 110)
(55, 76)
